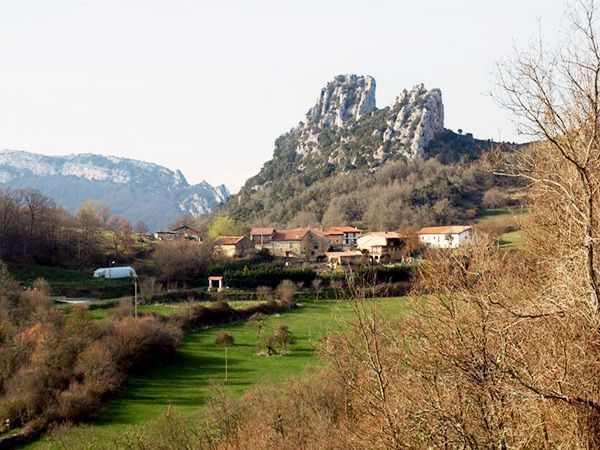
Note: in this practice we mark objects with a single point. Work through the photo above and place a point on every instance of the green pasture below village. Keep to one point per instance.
(507, 217)
(60, 277)
(186, 382)
(72, 283)
(164, 308)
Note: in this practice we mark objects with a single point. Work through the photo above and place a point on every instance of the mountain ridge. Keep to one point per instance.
(138, 190)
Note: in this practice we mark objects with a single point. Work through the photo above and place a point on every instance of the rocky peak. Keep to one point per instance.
(416, 118)
(345, 131)
(344, 100)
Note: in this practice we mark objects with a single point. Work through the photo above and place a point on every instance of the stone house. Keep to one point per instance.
(343, 237)
(261, 236)
(182, 232)
(346, 258)
(234, 246)
(301, 243)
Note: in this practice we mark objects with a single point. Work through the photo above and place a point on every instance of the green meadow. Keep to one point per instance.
(505, 217)
(186, 381)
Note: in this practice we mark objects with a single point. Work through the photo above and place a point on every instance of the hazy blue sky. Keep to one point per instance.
(206, 87)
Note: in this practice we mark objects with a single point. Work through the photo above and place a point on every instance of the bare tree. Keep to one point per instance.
(141, 228)
(115, 224)
(555, 94)
(89, 229)
(258, 321)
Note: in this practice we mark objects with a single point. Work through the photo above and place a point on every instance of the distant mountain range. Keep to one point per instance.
(133, 189)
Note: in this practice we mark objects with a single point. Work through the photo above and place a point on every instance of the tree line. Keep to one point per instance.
(34, 229)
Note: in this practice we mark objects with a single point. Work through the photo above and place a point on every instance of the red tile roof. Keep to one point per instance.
(296, 234)
(451, 229)
(228, 240)
(262, 231)
(340, 230)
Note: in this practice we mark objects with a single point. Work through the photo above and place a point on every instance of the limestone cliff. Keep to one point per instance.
(347, 157)
(345, 131)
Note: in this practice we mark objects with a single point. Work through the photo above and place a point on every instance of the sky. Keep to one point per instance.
(207, 86)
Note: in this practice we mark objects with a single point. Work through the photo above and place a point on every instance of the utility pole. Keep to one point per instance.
(135, 297)
(225, 364)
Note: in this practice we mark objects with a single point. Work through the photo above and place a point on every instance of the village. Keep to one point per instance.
(336, 246)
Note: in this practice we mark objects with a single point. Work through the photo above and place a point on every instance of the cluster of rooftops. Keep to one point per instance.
(337, 242)
(297, 234)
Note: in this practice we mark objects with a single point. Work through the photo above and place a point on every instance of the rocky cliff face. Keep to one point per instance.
(345, 131)
(416, 118)
(344, 100)
(134, 189)
(413, 120)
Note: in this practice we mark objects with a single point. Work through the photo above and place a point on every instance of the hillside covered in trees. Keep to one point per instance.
(350, 162)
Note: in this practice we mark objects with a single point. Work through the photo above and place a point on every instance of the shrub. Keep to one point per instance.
(286, 291)
(77, 402)
(268, 342)
(225, 338)
(283, 336)
(59, 368)
(97, 366)
(264, 293)
(149, 288)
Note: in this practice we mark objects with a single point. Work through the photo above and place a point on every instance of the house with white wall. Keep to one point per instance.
(452, 236)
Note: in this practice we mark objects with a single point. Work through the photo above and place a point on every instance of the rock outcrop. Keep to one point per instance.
(344, 100)
(416, 118)
(344, 130)
(330, 165)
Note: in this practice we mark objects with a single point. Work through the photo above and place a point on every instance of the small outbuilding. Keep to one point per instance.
(218, 280)
(346, 258)
(234, 246)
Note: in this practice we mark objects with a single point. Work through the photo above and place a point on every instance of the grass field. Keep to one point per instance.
(185, 382)
(72, 283)
(503, 217)
(157, 308)
(494, 212)
(513, 239)
(59, 277)
(165, 308)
